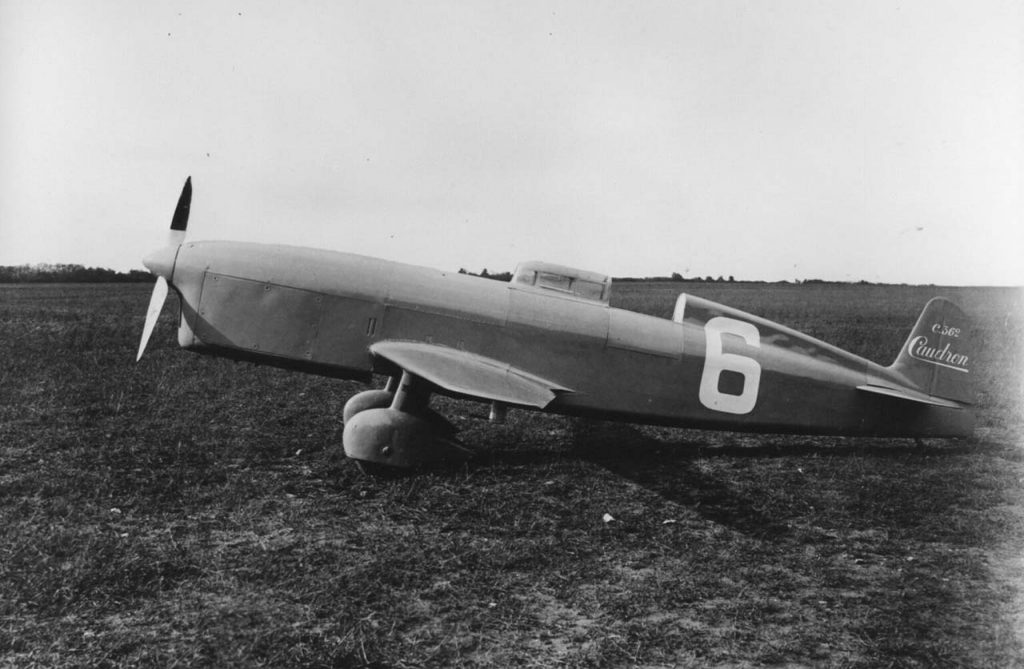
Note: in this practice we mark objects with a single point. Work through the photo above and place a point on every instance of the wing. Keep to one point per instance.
(465, 373)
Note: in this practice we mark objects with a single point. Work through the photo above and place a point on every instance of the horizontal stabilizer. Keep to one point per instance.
(910, 395)
(469, 374)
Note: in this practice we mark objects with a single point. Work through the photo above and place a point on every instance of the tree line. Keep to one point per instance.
(676, 276)
(64, 273)
(499, 276)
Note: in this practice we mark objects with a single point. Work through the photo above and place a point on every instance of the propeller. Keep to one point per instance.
(161, 263)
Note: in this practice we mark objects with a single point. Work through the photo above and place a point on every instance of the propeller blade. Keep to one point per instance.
(179, 223)
(180, 220)
(156, 305)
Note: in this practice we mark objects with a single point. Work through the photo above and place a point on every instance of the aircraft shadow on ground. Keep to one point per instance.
(673, 467)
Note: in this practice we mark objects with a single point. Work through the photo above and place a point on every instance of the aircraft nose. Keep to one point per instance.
(161, 261)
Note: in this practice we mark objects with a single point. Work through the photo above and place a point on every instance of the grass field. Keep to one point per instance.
(184, 512)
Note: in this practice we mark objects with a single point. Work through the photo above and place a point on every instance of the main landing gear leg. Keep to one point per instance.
(401, 434)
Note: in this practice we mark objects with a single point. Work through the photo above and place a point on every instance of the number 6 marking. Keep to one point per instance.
(716, 362)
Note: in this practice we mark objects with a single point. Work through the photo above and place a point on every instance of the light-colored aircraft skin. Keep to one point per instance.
(548, 340)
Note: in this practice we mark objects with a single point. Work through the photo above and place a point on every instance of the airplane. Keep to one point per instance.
(548, 340)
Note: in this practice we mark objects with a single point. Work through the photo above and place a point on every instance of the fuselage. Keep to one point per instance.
(710, 366)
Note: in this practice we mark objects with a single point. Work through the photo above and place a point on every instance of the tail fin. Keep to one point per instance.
(938, 356)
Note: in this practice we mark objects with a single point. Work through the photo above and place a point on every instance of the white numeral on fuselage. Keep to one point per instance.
(716, 362)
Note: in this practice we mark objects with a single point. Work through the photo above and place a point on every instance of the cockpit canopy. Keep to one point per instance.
(566, 281)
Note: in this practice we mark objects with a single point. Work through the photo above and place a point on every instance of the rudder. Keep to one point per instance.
(938, 356)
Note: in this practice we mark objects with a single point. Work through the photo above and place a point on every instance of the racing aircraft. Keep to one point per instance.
(548, 340)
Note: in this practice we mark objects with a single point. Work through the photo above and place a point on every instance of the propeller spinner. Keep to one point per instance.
(161, 263)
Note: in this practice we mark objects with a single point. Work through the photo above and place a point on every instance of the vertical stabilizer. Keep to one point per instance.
(938, 357)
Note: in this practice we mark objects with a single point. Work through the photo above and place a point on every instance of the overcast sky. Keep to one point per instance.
(766, 140)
